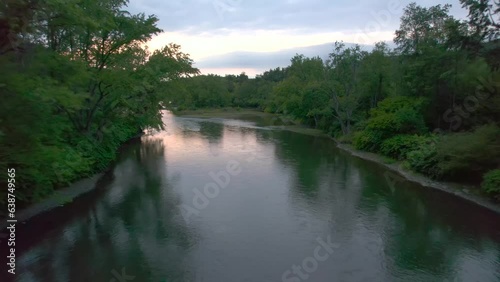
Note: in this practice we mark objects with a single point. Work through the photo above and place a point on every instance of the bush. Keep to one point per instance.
(491, 183)
(402, 121)
(367, 140)
(397, 115)
(424, 159)
(346, 139)
(393, 116)
(400, 145)
(469, 155)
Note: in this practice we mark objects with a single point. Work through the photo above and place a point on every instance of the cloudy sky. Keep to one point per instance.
(234, 36)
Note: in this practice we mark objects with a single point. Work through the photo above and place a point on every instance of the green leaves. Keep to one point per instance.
(422, 28)
(483, 18)
(83, 84)
(491, 183)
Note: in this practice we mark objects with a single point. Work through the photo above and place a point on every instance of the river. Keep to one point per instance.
(218, 200)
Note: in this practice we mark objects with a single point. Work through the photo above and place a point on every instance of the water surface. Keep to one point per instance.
(278, 194)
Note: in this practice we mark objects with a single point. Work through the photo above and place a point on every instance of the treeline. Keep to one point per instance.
(433, 102)
(76, 81)
(213, 91)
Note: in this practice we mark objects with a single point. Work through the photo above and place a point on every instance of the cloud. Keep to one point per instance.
(209, 45)
(197, 16)
(264, 60)
(257, 62)
(246, 34)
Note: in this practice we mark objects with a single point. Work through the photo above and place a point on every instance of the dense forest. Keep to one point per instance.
(77, 81)
(432, 103)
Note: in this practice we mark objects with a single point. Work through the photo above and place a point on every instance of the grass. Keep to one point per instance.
(388, 160)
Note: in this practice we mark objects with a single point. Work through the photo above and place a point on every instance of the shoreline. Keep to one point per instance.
(83, 186)
(60, 198)
(63, 196)
(456, 189)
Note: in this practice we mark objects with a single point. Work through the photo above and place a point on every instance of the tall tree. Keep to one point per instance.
(342, 80)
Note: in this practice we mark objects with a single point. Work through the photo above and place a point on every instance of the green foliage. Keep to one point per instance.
(377, 76)
(81, 83)
(482, 15)
(469, 154)
(343, 78)
(397, 115)
(388, 160)
(368, 140)
(78, 85)
(491, 183)
(400, 145)
(422, 28)
(346, 139)
(392, 117)
(424, 159)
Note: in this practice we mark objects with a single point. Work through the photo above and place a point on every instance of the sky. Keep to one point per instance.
(252, 36)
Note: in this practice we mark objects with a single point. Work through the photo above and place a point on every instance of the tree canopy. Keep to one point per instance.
(76, 81)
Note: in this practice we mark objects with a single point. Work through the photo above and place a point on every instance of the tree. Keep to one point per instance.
(377, 76)
(342, 81)
(86, 83)
(422, 28)
(484, 19)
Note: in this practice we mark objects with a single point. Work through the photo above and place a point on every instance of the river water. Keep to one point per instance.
(219, 200)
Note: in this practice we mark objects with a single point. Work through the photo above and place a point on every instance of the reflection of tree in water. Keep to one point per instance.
(423, 229)
(418, 230)
(212, 131)
(136, 225)
(304, 154)
(324, 181)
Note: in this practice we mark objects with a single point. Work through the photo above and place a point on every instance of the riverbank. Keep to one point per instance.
(460, 190)
(235, 189)
(222, 113)
(63, 196)
(277, 121)
(66, 195)
(60, 198)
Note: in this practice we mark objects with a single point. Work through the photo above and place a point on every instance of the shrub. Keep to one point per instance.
(409, 120)
(402, 121)
(367, 140)
(394, 104)
(400, 145)
(424, 159)
(397, 115)
(491, 183)
(393, 116)
(468, 155)
(346, 139)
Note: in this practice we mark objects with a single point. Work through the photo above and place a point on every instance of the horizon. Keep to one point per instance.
(214, 32)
